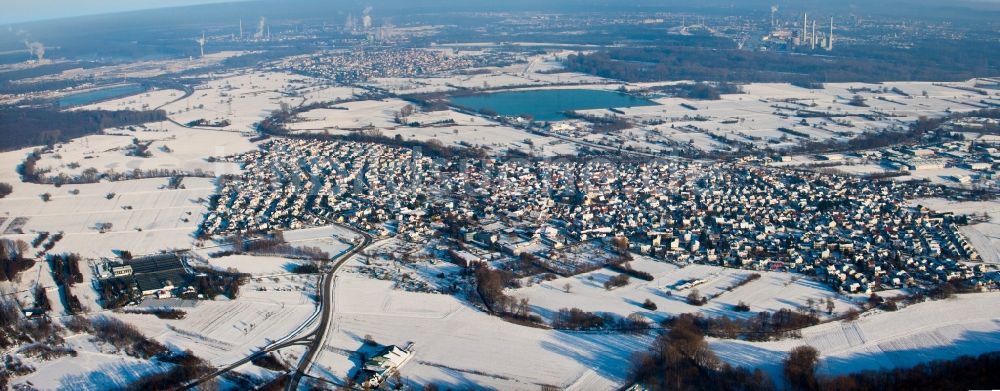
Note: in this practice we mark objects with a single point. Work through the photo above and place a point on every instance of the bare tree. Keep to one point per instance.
(800, 368)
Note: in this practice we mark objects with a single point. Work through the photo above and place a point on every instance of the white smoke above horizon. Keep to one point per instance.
(36, 48)
(260, 28)
(366, 18)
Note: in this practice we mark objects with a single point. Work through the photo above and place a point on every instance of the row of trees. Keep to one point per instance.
(490, 284)
(616, 281)
(680, 359)
(66, 268)
(962, 373)
(273, 244)
(577, 319)
(626, 268)
(763, 327)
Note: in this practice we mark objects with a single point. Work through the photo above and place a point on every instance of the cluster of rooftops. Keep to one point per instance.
(859, 235)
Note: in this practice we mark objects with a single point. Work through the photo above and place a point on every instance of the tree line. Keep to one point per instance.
(680, 359)
(490, 284)
(763, 327)
(24, 127)
(927, 60)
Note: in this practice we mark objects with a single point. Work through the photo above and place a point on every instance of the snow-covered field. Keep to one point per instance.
(356, 115)
(753, 116)
(246, 98)
(773, 291)
(222, 331)
(91, 369)
(144, 217)
(149, 100)
(331, 239)
(536, 72)
(171, 147)
(460, 347)
(449, 127)
(965, 325)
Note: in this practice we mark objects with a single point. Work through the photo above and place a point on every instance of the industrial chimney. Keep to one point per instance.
(829, 40)
(805, 29)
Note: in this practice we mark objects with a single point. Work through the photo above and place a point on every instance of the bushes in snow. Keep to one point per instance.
(577, 319)
(13, 258)
(616, 281)
(125, 337)
(763, 327)
(681, 359)
(626, 268)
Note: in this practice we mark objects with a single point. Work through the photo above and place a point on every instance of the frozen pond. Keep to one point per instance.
(98, 95)
(548, 105)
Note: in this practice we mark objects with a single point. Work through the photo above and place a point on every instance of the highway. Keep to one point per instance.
(314, 339)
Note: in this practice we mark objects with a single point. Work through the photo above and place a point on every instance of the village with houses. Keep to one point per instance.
(389, 209)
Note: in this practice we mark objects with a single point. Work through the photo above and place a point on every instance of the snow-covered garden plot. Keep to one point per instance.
(457, 346)
(408, 266)
(222, 331)
(255, 264)
(936, 330)
(773, 291)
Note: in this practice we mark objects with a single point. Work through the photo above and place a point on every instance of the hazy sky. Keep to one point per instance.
(14, 11)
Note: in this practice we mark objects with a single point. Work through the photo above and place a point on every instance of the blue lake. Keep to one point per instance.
(548, 105)
(93, 96)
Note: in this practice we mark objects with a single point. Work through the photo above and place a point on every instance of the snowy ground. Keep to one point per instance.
(937, 330)
(773, 291)
(466, 130)
(222, 331)
(171, 147)
(458, 346)
(753, 116)
(246, 98)
(91, 369)
(149, 100)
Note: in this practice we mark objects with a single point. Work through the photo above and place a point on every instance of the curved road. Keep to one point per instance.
(326, 305)
(313, 340)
